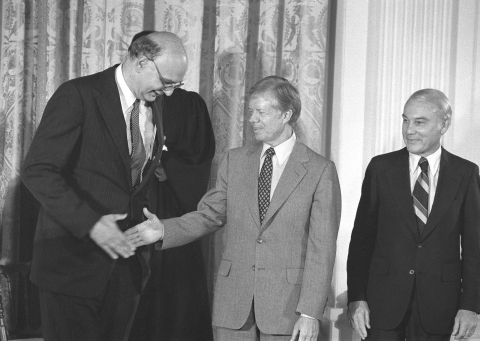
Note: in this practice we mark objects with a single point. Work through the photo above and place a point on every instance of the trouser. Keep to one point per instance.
(410, 328)
(249, 332)
(107, 317)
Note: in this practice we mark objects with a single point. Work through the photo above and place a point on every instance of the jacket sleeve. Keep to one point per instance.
(470, 239)
(321, 244)
(45, 169)
(362, 241)
(210, 216)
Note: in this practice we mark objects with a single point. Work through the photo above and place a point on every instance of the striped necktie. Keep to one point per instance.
(264, 183)
(138, 149)
(420, 195)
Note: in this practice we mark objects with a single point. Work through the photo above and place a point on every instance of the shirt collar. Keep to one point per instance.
(283, 150)
(433, 161)
(127, 98)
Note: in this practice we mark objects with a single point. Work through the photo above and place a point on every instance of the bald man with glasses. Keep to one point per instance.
(95, 151)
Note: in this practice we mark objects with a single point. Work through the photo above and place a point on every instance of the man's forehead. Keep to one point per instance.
(262, 98)
(420, 108)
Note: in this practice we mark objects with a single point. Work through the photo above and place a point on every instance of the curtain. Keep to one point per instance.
(230, 45)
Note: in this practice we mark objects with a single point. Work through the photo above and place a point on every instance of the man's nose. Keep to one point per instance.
(411, 129)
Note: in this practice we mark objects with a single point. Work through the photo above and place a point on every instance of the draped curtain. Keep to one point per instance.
(230, 45)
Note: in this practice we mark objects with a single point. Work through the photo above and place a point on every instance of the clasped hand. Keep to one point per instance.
(148, 232)
(106, 234)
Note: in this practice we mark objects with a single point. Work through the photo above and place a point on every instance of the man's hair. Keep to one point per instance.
(435, 97)
(142, 45)
(284, 94)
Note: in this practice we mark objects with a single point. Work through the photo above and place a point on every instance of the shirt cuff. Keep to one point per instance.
(313, 318)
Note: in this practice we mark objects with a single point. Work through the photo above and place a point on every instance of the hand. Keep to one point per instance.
(306, 328)
(465, 324)
(359, 317)
(148, 232)
(106, 234)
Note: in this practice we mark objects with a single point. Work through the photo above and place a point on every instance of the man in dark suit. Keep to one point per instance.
(414, 259)
(89, 165)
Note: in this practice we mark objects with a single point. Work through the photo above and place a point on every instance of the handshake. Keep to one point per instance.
(106, 234)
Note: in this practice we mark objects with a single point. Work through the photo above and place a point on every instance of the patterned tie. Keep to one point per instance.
(138, 150)
(420, 195)
(264, 183)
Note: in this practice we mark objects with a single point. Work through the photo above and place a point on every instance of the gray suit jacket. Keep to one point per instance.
(284, 264)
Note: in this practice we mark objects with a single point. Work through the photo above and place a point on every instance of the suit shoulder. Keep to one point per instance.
(462, 165)
(386, 160)
(314, 156)
(88, 82)
(85, 80)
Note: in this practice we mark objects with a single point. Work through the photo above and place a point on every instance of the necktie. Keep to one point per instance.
(138, 150)
(264, 183)
(420, 195)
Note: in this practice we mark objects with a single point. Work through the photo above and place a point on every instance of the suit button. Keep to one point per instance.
(260, 240)
(419, 246)
(253, 267)
(411, 272)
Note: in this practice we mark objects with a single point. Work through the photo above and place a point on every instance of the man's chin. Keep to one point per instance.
(152, 96)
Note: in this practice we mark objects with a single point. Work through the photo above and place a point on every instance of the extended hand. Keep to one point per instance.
(106, 234)
(306, 328)
(465, 324)
(148, 232)
(359, 317)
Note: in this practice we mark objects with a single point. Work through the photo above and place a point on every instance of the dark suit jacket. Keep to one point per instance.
(388, 256)
(78, 168)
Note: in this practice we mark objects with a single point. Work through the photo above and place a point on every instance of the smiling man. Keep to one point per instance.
(279, 202)
(414, 259)
(94, 152)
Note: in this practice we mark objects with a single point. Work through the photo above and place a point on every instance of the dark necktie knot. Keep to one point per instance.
(423, 163)
(270, 152)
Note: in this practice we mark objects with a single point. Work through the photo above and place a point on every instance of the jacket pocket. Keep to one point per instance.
(224, 268)
(451, 272)
(294, 276)
(379, 266)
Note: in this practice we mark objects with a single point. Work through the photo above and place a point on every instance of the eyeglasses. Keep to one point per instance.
(166, 85)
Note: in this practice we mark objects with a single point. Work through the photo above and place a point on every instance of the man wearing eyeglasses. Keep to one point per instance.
(96, 148)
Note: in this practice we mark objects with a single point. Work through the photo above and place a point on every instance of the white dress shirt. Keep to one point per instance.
(433, 171)
(147, 128)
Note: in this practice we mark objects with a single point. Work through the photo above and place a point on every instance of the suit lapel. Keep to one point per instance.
(449, 181)
(250, 179)
(292, 175)
(108, 101)
(398, 177)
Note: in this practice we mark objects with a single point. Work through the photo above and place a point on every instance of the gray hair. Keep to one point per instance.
(435, 97)
(144, 46)
(284, 94)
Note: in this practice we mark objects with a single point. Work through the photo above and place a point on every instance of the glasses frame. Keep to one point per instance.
(166, 85)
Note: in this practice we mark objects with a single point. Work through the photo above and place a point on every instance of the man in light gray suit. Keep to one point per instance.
(280, 204)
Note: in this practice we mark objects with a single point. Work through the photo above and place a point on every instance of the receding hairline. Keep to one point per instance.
(168, 41)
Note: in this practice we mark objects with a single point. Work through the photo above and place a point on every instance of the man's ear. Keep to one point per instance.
(288, 115)
(446, 125)
(141, 63)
